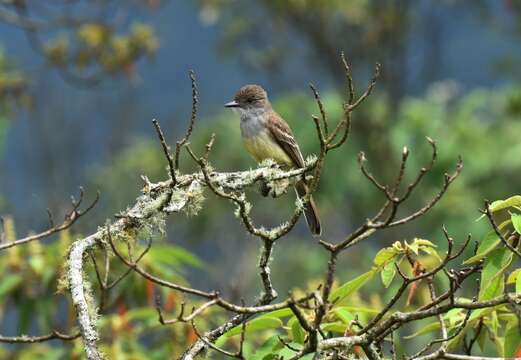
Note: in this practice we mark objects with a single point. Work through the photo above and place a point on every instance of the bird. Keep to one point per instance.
(266, 135)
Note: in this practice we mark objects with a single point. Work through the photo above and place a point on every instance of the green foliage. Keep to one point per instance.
(388, 272)
(516, 222)
(351, 286)
(260, 323)
(495, 328)
(494, 267)
(29, 285)
(513, 201)
(486, 246)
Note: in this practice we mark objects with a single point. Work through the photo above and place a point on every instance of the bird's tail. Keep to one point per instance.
(310, 210)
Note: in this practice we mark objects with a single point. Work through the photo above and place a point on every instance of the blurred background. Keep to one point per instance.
(80, 82)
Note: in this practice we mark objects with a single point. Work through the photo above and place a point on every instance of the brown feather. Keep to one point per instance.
(282, 134)
(310, 209)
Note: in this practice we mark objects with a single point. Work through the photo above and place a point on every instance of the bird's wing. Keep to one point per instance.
(282, 134)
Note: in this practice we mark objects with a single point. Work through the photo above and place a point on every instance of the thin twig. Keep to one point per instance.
(193, 116)
(70, 218)
(166, 151)
(35, 339)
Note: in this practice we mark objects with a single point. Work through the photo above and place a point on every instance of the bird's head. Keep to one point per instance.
(250, 98)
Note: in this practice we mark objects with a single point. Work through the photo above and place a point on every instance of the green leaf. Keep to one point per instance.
(266, 348)
(512, 340)
(500, 346)
(141, 314)
(413, 247)
(9, 283)
(172, 255)
(337, 327)
(297, 331)
(435, 326)
(504, 204)
(480, 313)
(282, 313)
(350, 287)
(424, 243)
(492, 275)
(356, 310)
(513, 276)
(261, 323)
(494, 288)
(387, 273)
(493, 322)
(37, 263)
(518, 284)
(482, 338)
(432, 252)
(343, 314)
(486, 246)
(384, 255)
(287, 353)
(453, 316)
(516, 221)
(456, 341)
(506, 317)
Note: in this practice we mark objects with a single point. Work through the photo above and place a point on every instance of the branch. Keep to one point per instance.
(213, 296)
(210, 344)
(445, 339)
(134, 219)
(181, 317)
(55, 334)
(70, 218)
(409, 280)
(193, 116)
(211, 336)
(399, 318)
(166, 151)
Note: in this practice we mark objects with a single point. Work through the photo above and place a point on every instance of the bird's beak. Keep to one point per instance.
(231, 104)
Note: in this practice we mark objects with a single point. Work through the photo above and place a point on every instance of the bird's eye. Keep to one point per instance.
(250, 101)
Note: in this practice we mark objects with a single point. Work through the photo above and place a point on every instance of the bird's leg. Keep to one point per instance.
(264, 188)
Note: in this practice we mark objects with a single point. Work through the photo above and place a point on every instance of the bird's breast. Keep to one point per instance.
(262, 146)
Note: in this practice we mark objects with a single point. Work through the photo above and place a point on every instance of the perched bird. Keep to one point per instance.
(267, 136)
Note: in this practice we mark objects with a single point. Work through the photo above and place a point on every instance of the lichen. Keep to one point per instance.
(194, 197)
(151, 228)
(239, 211)
(299, 204)
(310, 160)
(89, 298)
(267, 163)
(278, 187)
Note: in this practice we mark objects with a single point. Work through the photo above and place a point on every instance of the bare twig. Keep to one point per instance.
(210, 344)
(35, 339)
(181, 317)
(193, 116)
(70, 218)
(166, 151)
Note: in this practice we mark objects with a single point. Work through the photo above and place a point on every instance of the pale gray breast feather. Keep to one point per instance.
(252, 125)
